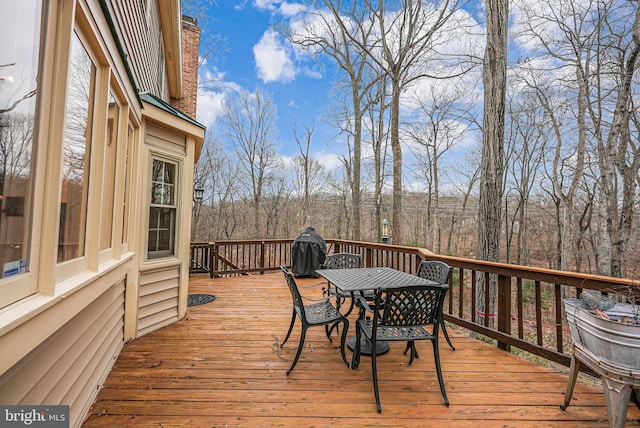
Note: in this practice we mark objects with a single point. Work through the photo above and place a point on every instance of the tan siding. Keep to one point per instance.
(142, 41)
(90, 381)
(166, 140)
(158, 298)
(163, 306)
(70, 365)
(166, 294)
(154, 275)
(157, 321)
(157, 285)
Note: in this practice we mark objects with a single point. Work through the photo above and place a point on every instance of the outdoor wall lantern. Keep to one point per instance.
(385, 230)
(198, 191)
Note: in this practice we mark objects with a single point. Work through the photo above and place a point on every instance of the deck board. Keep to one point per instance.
(222, 366)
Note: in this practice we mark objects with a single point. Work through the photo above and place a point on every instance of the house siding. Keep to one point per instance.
(139, 30)
(68, 367)
(166, 140)
(158, 298)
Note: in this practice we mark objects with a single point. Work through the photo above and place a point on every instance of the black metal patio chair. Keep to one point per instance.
(320, 313)
(405, 314)
(440, 272)
(342, 261)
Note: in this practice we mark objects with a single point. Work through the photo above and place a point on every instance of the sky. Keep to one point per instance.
(257, 57)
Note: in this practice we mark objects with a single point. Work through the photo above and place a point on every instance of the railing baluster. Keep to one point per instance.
(558, 311)
(504, 308)
(519, 298)
(538, 305)
(474, 304)
(460, 292)
(450, 294)
(487, 298)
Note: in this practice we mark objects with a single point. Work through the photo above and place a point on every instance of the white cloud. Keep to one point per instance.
(331, 161)
(313, 74)
(240, 6)
(272, 59)
(291, 9)
(283, 8)
(212, 94)
(209, 106)
(265, 4)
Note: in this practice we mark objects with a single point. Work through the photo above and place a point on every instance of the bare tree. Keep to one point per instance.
(279, 195)
(377, 124)
(599, 41)
(215, 217)
(469, 167)
(407, 32)
(563, 33)
(395, 37)
(331, 29)
(492, 166)
(526, 142)
(436, 132)
(619, 154)
(310, 176)
(249, 124)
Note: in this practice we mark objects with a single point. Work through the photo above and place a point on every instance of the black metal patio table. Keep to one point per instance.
(362, 279)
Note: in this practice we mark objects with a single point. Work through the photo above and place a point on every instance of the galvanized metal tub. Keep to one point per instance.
(609, 348)
(609, 340)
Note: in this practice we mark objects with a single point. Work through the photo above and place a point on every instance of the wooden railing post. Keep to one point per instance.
(213, 249)
(262, 252)
(504, 308)
(368, 257)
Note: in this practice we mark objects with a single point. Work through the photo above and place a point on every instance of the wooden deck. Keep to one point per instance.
(222, 367)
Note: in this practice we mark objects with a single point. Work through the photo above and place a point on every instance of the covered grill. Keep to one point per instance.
(308, 253)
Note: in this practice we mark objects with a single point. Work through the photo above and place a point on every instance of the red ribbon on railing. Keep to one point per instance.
(482, 314)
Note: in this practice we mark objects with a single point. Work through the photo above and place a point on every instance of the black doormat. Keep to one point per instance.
(200, 299)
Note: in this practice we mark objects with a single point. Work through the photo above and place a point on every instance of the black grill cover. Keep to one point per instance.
(308, 253)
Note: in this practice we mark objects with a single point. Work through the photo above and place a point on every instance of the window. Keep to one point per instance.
(76, 153)
(109, 178)
(19, 52)
(128, 150)
(163, 209)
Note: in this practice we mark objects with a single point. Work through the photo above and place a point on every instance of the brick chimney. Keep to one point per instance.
(190, 49)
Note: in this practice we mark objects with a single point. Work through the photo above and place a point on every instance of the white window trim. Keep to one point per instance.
(179, 163)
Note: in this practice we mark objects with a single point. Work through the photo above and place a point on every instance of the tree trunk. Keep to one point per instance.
(492, 167)
(396, 221)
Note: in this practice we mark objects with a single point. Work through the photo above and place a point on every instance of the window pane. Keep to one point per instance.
(109, 177)
(161, 230)
(168, 194)
(75, 168)
(125, 201)
(19, 51)
(162, 212)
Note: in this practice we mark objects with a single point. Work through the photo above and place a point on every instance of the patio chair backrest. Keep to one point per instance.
(409, 306)
(435, 270)
(343, 261)
(298, 304)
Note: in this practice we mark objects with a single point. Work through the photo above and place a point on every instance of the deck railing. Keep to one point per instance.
(529, 316)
